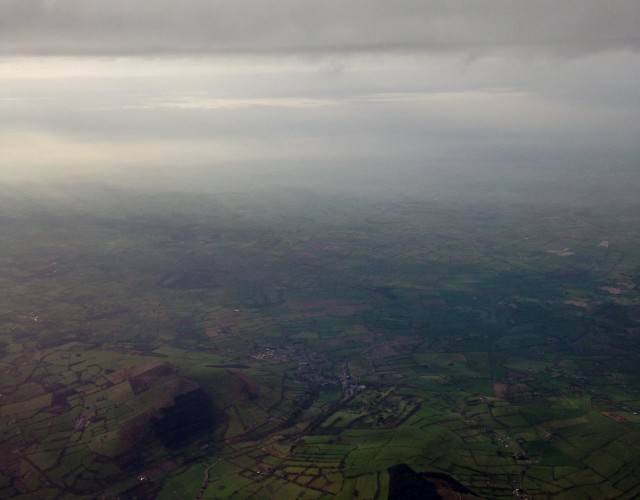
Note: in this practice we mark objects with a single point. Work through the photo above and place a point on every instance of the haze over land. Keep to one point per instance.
(266, 92)
(320, 249)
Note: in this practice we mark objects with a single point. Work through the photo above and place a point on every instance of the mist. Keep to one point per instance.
(366, 123)
(424, 99)
(316, 248)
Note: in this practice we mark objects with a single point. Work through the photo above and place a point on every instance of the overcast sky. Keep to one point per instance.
(94, 86)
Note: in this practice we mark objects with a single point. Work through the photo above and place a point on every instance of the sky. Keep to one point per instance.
(109, 88)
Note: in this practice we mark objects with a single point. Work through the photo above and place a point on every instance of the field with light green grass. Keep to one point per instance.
(246, 347)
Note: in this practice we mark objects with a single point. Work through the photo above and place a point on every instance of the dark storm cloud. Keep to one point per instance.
(126, 27)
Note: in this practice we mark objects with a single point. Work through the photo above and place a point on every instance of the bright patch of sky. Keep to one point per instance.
(88, 87)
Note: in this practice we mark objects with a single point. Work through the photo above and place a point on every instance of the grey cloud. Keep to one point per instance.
(125, 27)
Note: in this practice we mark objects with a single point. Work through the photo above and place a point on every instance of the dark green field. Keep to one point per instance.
(297, 345)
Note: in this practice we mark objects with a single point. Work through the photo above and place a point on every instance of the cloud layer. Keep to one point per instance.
(156, 27)
(429, 85)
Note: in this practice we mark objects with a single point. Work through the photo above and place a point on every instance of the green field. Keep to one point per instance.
(236, 346)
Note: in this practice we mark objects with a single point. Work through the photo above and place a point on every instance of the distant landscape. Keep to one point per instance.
(318, 249)
(292, 343)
